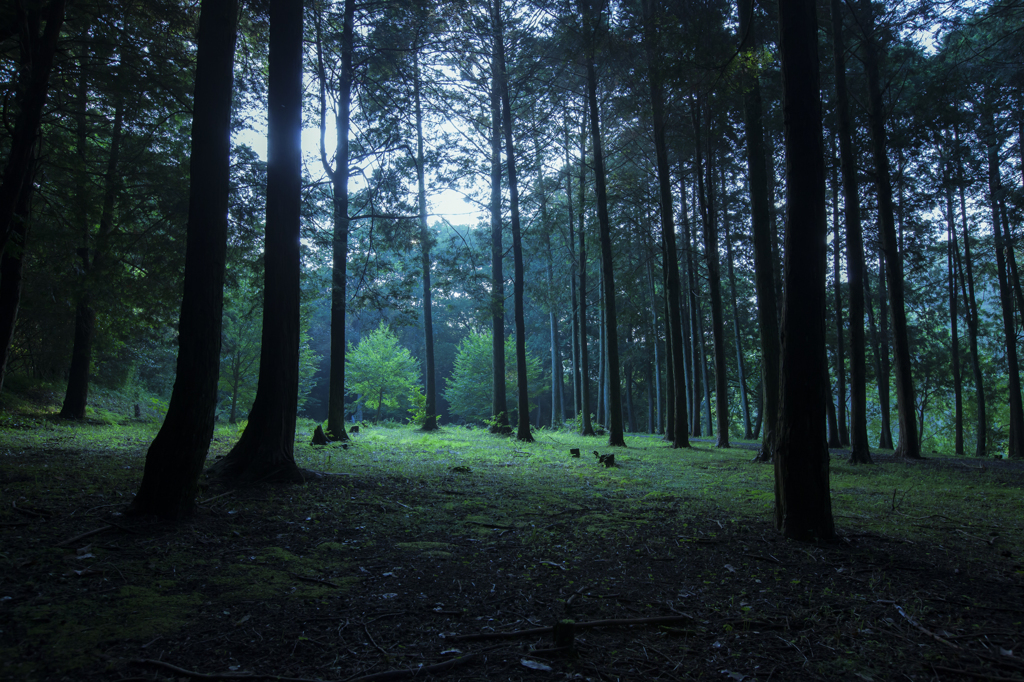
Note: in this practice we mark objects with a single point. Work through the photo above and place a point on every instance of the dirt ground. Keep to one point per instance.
(375, 576)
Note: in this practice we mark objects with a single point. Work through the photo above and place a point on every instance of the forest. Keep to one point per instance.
(356, 244)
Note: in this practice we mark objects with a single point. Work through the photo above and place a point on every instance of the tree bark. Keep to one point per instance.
(741, 374)
(523, 428)
(586, 423)
(908, 447)
(678, 416)
(429, 374)
(885, 435)
(265, 450)
(614, 398)
(176, 456)
(1015, 447)
(706, 194)
(844, 435)
(967, 287)
(860, 452)
(339, 176)
(40, 49)
(574, 268)
(499, 401)
(761, 227)
(952, 251)
(803, 506)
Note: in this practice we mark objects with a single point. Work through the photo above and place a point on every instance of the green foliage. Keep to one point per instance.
(469, 389)
(383, 373)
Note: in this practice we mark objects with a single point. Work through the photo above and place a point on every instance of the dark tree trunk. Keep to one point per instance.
(615, 433)
(266, 449)
(830, 406)
(94, 260)
(885, 436)
(803, 506)
(967, 288)
(586, 424)
(499, 399)
(835, 424)
(761, 226)
(844, 435)
(38, 50)
(655, 336)
(523, 427)
(11, 264)
(175, 458)
(706, 195)
(339, 247)
(860, 452)
(909, 447)
(740, 370)
(1016, 427)
(678, 416)
(952, 251)
(429, 379)
(574, 268)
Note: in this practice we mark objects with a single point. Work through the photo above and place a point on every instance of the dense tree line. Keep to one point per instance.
(647, 235)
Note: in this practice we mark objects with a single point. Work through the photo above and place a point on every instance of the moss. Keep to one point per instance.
(69, 634)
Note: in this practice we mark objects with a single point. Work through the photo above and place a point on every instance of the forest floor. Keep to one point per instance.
(462, 550)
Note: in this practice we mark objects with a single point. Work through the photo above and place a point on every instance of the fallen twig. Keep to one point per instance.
(614, 622)
(968, 673)
(215, 497)
(925, 630)
(410, 673)
(86, 534)
(218, 676)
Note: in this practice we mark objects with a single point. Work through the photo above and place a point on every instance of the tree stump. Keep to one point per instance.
(319, 437)
(575, 452)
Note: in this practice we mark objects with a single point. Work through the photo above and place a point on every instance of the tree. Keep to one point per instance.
(908, 446)
(859, 450)
(592, 18)
(803, 506)
(523, 428)
(468, 388)
(678, 416)
(176, 457)
(266, 448)
(381, 371)
(339, 175)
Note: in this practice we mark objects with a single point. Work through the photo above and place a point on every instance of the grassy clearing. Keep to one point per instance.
(458, 526)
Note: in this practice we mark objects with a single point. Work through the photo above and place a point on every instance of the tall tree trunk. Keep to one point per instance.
(674, 336)
(11, 264)
(655, 336)
(265, 450)
(954, 315)
(430, 378)
(586, 423)
(577, 397)
(844, 436)
(615, 434)
(908, 447)
(885, 436)
(94, 254)
(176, 456)
(995, 187)
(860, 452)
(967, 287)
(339, 175)
(38, 50)
(761, 227)
(740, 371)
(523, 428)
(499, 401)
(706, 194)
(803, 506)
(557, 378)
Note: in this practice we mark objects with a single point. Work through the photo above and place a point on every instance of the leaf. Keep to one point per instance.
(535, 665)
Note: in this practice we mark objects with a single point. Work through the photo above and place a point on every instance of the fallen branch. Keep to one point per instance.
(490, 525)
(410, 673)
(215, 497)
(218, 676)
(85, 535)
(614, 622)
(968, 673)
